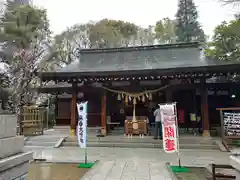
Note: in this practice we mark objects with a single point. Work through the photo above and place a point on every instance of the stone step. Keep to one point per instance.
(43, 139)
(139, 140)
(139, 145)
(61, 127)
(30, 148)
(39, 143)
(11, 145)
(12, 161)
(15, 172)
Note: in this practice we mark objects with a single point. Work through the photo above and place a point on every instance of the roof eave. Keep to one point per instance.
(147, 72)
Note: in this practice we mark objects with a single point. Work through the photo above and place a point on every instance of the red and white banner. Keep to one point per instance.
(169, 126)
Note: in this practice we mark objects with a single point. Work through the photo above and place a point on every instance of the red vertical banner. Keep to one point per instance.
(170, 134)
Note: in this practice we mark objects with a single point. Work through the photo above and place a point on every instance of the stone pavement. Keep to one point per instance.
(130, 164)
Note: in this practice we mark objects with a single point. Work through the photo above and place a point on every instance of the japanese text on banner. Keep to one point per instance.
(170, 139)
(82, 124)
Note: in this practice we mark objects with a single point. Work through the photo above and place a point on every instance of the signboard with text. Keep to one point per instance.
(231, 123)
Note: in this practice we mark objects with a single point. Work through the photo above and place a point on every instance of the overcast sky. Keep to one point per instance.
(65, 13)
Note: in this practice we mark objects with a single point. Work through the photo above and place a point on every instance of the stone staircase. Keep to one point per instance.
(42, 141)
(49, 139)
(146, 142)
(117, 139)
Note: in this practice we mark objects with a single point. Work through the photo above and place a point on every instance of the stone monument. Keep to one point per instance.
(13, 161)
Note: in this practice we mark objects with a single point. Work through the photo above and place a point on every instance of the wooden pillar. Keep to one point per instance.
(204, 108)
(104, 114)
(73, 111)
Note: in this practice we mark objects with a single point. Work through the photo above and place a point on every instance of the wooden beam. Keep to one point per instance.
(73, 111)
(87, 88)
(104, 114)
(227, 109)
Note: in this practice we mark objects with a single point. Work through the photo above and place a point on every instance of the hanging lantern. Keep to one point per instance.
(143, 98)
(119, 97)
(126, 99)
(150, 96)
(134, 100)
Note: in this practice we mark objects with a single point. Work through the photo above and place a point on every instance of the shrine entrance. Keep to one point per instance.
(135, 106)
(135, 67)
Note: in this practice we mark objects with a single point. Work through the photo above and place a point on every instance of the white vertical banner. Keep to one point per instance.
(82, 124)
(169, 127)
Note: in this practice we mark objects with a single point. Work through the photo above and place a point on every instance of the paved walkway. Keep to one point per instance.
(130, 164)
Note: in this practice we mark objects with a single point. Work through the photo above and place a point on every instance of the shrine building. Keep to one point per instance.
(120, 83)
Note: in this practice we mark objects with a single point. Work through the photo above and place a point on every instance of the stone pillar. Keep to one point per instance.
(104, 114)
(204, 108)
(13, 161)
(73, 121)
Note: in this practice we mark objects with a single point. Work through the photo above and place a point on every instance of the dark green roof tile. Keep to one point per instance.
(140, 58)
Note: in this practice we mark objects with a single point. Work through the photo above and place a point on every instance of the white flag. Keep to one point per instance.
(82, 124)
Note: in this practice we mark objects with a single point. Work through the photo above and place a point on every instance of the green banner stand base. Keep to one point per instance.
(178, 169)
(85, 165)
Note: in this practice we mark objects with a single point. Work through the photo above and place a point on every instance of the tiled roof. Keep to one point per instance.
(140, 58)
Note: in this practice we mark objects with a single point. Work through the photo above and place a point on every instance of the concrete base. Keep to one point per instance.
(13, 162)
(72, 132)
(15, 172)
(11, 146)
(8, 124)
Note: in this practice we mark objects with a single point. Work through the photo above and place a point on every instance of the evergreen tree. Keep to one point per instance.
(11, 3)
(24, 34)
(187, 26)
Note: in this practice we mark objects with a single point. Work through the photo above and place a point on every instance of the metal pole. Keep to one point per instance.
(85, 150)
(86, 153)
(177, 131)
(48, 112)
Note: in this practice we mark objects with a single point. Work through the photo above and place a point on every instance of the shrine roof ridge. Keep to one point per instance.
(143, 47)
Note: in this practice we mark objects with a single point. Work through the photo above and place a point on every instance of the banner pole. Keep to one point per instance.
(83, 133)
(86, 154)
(177, 130)
(86, 137)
